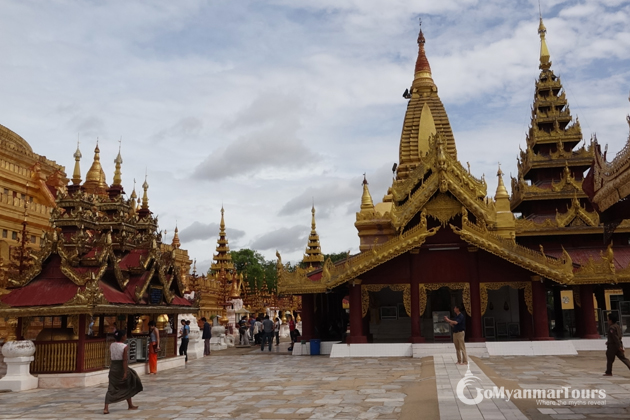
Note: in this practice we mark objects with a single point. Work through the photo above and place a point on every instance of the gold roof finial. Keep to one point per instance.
(222, 224)
(118, 161)
(132, 198)
(501, 190)
(423, 69)
(313, 257)
(545, 62)
(313, 217)
(145, 197)
(95, 180)
(176, 243)
(366, 199)
(76, 175)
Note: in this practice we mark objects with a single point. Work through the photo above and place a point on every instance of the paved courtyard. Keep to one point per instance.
(249, 384)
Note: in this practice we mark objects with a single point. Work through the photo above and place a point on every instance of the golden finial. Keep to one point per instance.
(76, 175)
(222, 225)
(145, 197)
(176, 243)
(423, 69)
(501, 190)
(313, 217)
(118, 161)
(545, 62)
(366, 199)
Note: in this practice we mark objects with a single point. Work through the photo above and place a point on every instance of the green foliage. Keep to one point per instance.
(335, 257)
(255, 268)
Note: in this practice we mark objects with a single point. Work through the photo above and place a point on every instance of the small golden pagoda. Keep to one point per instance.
(313, 257)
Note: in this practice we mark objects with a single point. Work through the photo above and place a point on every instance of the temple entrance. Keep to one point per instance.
(501, 320)
(440, 303)
(389, 321)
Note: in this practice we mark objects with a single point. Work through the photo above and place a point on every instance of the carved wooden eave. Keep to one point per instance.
(478, 235)
(577, 213)
(141, 290)
(446, 175)
(611, 180)
(333, 276)
(563, 190)
(536, 136)
(529, 160)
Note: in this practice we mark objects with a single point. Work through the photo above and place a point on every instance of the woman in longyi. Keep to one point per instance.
(124, 382)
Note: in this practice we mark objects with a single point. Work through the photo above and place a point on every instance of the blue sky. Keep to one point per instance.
(264, 107)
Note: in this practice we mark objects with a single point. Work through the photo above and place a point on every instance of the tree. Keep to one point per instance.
(255, 268)
(335, 257)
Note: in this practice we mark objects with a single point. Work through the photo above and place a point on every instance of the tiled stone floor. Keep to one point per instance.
(246, 386)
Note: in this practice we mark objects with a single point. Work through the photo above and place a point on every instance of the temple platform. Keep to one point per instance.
(484, 350)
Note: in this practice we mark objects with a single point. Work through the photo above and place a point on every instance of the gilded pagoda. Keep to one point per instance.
(102, 267)
(437, 240)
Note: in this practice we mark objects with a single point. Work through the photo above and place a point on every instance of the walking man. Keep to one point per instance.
(183, 347)
(459, 325)
(206, 336)
(267, 333)
(614, 346)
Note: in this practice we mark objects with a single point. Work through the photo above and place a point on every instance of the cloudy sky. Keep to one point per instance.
(265, 106)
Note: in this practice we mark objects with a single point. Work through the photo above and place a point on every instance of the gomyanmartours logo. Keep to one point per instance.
(544, 396)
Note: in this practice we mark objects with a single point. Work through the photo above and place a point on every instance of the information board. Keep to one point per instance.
(155, 296)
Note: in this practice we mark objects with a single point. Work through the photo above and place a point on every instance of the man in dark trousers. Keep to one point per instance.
(614, 346)
(183, 347)
(267, 331)
(206, 336)
(459, 325)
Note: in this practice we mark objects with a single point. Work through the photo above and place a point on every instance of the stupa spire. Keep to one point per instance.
(313, 256)
(501, 190)
(133, 197)
(176, 243)
(545, 57)
(95, 181)
(76, 174)
(145, 196)
(366, 199)
(422, 76)
(117, 173)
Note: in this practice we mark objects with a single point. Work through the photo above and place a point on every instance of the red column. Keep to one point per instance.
(588, 312)
(414, 281)
(308, 313)
(81, 344)
(525, 318)
(356, 317)
(539, 298)
(475, 297)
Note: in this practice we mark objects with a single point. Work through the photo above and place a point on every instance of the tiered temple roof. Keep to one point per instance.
(550, 169)
(103, 256)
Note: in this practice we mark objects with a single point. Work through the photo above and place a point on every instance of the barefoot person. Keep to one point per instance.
(124, 382)
(459, 325)
(154, 347)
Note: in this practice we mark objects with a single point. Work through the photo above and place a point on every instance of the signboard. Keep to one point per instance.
(566, 297)
(155, 296)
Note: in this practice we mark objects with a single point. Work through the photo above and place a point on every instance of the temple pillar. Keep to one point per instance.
(600, 296)
(308, 315)
(525, 318)
(588, 312)
(356, 317)
(475, 296)
(539, 300)
(414, 282)
(81, 344)
(577, 312)
(557, 313)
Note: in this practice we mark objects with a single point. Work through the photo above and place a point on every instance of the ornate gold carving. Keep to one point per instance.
(297, 282)
(89, 297)
(11, 325)
(367, 288)
(560, 270)
(73, 322)
(599, 271)
(567, 182)
(443, 208)
(611, 179)
(577, 211)
(484, 287)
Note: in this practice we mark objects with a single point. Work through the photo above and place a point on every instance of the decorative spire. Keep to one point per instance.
(117, 173)
(501, 190)
(95, 181)
(423, 69)
(145, 197)
(132, 198)
(76, 175)
(545, 63)
(176, 243)
(313, 257)
(222, 259)
(366, 199)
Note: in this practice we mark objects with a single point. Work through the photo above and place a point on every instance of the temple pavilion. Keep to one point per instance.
(103, 267)
(526, 266)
